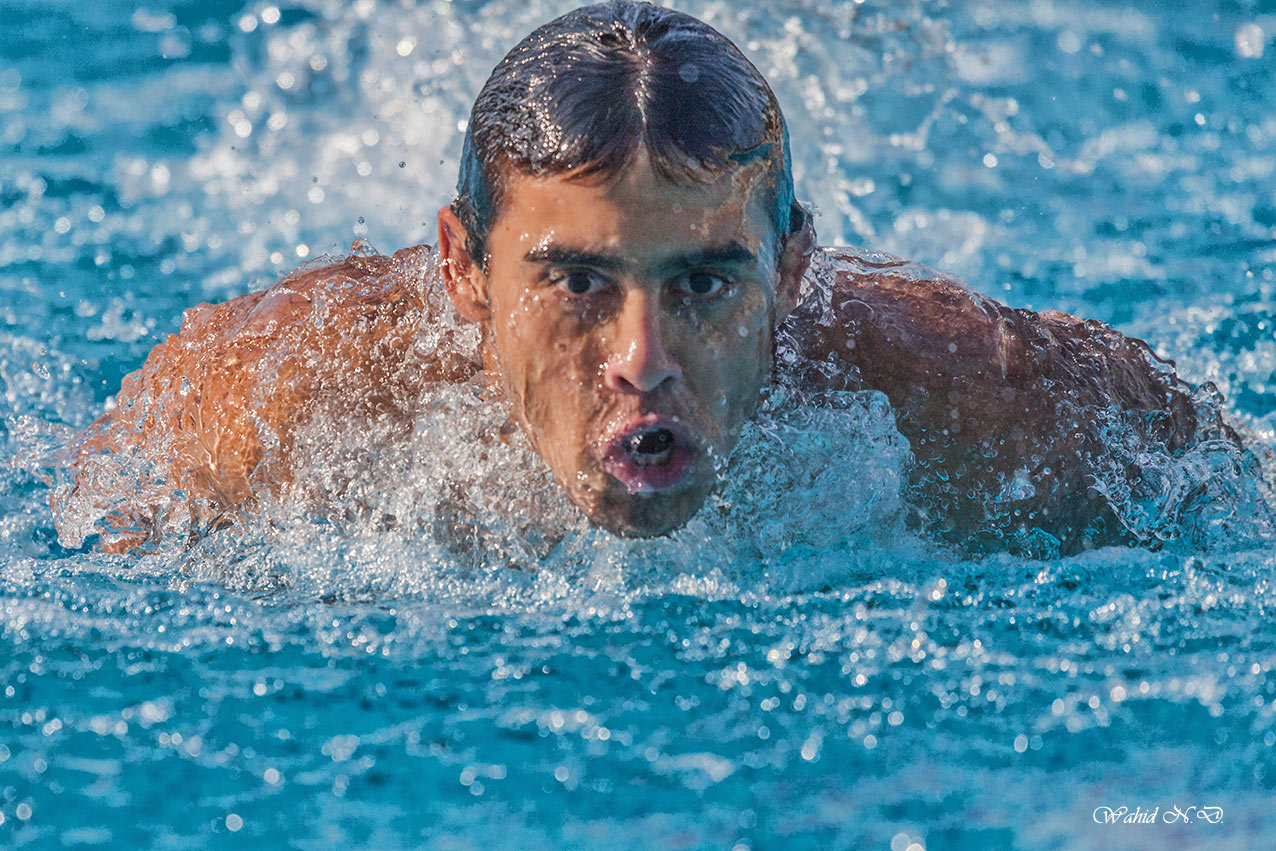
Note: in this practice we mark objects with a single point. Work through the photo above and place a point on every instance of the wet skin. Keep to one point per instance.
(613, 309)
(631, 325)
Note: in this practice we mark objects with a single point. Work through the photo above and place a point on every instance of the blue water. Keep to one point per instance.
(802, 674)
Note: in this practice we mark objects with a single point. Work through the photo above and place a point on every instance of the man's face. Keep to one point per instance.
(631, 322)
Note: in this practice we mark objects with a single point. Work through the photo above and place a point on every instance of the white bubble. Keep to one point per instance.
(234, 822)
(862, 186)
(1250, 41)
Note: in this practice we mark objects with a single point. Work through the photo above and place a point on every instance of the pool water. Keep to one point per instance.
(795, 668)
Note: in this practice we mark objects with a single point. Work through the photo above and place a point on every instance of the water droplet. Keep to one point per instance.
(1250, 41)
(362, 248)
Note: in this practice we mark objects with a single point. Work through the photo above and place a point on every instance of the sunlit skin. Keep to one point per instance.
(631, 325)
(610, 305)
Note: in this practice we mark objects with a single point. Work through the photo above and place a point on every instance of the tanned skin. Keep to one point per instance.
(985, 394)
(336, 340)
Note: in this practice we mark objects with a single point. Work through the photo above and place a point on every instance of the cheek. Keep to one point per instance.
(550, 365)
(733, 359)
(733, 382)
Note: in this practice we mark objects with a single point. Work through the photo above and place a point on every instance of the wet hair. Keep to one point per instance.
(582, 92)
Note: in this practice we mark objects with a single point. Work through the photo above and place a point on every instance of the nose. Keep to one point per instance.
(640, 360)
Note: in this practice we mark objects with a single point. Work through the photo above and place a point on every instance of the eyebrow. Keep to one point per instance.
(562, 255)
(732, 253)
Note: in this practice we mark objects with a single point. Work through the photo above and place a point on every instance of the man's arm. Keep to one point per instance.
(213, 416)
(1007, 411)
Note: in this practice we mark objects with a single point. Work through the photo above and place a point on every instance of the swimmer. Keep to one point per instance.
(626, 239)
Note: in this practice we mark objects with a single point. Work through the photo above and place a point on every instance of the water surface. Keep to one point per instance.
(780, 674)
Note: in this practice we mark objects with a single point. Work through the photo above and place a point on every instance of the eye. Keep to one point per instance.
(703, 284)
(578, 282)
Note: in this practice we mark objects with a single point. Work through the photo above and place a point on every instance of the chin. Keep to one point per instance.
(648, 515)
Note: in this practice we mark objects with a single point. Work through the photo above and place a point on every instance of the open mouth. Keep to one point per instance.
(651, 447)
(649, 458)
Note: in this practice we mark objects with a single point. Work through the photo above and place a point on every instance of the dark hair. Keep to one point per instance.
(583, 91)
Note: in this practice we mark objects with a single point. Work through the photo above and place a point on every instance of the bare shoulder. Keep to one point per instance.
(867, 307)
(892, 319)
(370, 286)
(996, 402)
(338, 327)
(213, 415)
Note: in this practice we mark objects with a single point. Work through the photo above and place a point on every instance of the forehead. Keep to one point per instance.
(635, 211)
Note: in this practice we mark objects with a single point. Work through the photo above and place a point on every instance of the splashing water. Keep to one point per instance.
(793, 668)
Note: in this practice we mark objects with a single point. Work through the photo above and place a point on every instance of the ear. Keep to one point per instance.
(795, 258)
(462, 275)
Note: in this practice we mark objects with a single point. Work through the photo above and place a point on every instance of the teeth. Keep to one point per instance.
(651, 460)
